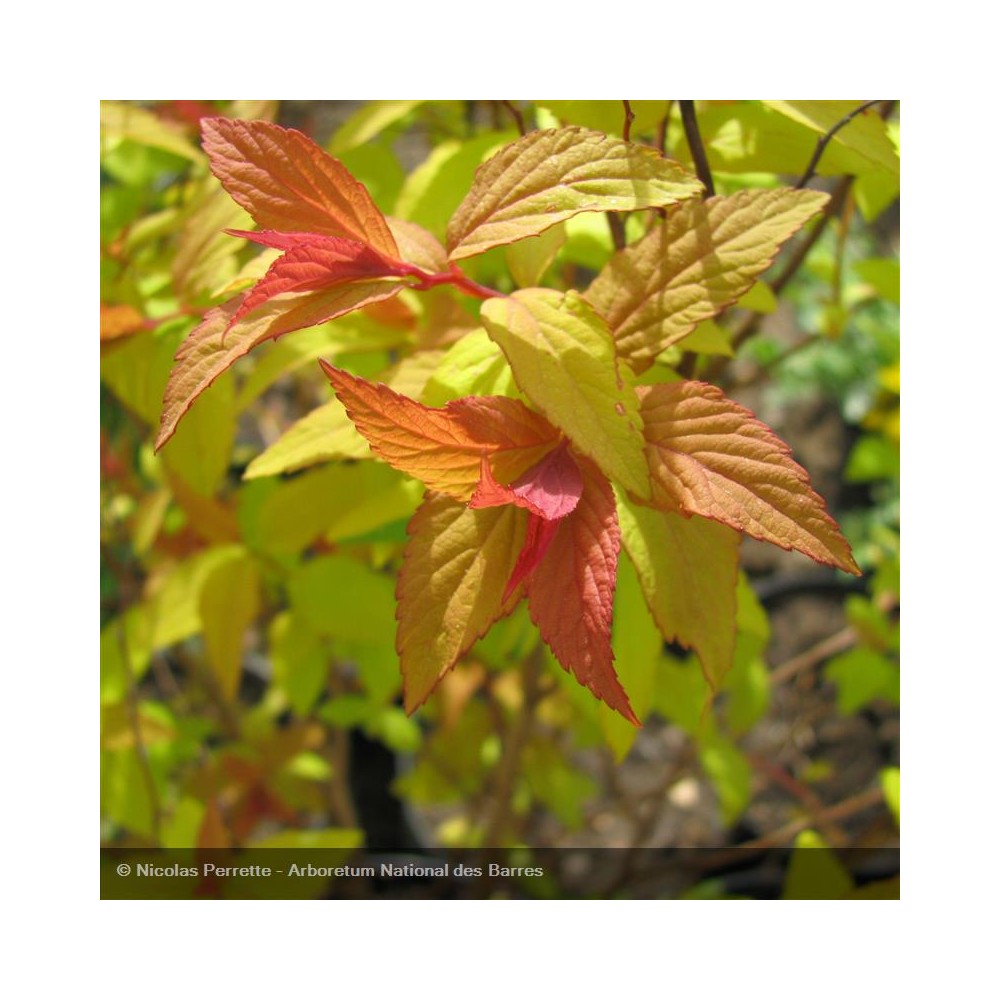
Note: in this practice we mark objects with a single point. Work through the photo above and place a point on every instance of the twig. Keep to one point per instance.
(812, 657)
(661, 129)
(811, 802)
(629, 118)
(514, 744)
(855, 804)
(518, 117)
(697, 149)
(617, 226)
(825, 139)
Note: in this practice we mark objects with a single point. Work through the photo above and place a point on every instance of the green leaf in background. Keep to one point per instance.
(126, 121)
(890, 788)
(608, 116)
(367, 122)
(435, 189)
(474, 366)
(748, 684)
(687, 568)
(682, 695)
(529, 259)
(342, 598)
(200, 450)
(228, 606)
(709, 338)
(638, 650)
(323, 434)
(329, 839)
(863, 675)
(882, 273)
(300, 664)
(325, 502)
(814, 871)
(730, 774)
(872, 458)
(556, 783)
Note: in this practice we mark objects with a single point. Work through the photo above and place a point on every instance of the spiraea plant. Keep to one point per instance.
(548, 425)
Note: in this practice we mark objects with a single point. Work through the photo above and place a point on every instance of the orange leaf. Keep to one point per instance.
(710, 456)
(700, 260)
(571, 593)
(287, 182)
(118, 321)
(214, 346)
(450, 589)
(443, 448)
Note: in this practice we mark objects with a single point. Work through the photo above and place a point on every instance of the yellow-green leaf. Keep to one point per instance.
(127, 121)
(864, 135)
(548, 176)
(474, 366)
(564, 361)
(323, 434)
(688, 572)
(230, 601)
(529, 259)
(638, 649)
(814, 871)
(700, 260)
(367, 122)
(450, 590)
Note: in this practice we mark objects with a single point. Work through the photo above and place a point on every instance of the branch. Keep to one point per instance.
(825, 139)
(629, 118)
(697, 149)
(661, 129)
(518, 117)
(839, 642)
(514, 744)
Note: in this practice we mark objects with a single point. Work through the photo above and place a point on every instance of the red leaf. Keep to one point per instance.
(443, 448)
(286, 182)
(312, 263)
(549, 492)
(571, 592)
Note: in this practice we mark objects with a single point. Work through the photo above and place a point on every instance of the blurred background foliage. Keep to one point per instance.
(249, 683)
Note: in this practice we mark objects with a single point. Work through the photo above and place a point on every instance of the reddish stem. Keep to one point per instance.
(453, 276)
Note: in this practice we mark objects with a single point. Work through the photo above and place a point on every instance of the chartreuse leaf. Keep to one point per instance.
(748, 684)
(890, 788)
(687, 568)
(529, 259)
(865, 135)
(299, 661)
(608, 116)
(571, 592)
(200, 451)
(444, 448)
(711, 457)
(638, 651)
(136, 370)
(474, 366)
(342, 598)
(563, 359)
(206, 256)
(434, 190)
(561, 788)
(332, 838)
(229, 604)
(451, 586)
(127, 121)
(548, 176)
(325, 502)
(863, 675)
(814, 871)
(700, 260)
(286, 182)
(682, 694)
(367, 122)
(322, 434)
(729, 773)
